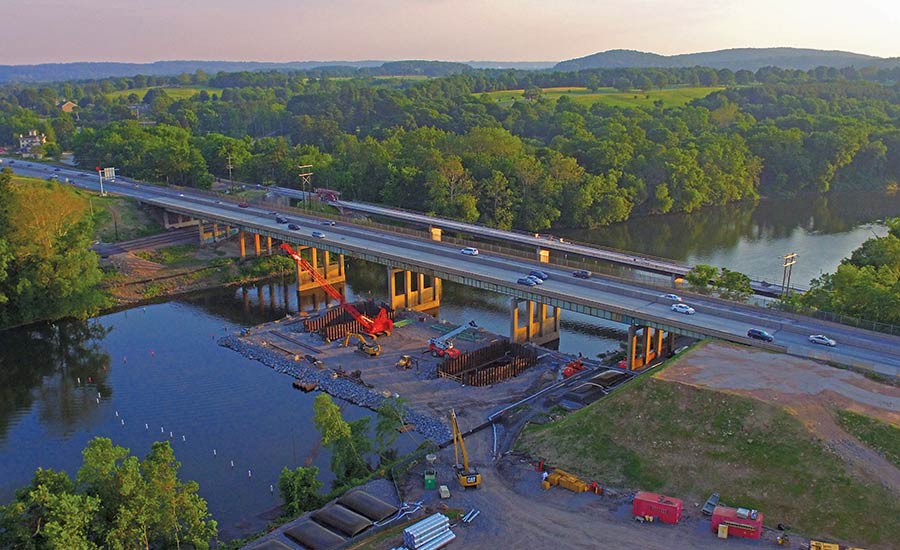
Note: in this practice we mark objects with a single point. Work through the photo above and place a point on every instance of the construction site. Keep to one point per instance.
(471, 393)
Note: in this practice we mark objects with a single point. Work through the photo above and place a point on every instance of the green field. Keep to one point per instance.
(175, 93)
(671, 97)
(689, 442)
(881, 436)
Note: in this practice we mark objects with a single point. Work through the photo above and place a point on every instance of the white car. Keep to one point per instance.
(822, 340)
(673, 297)
(470, 251)
(683, 308)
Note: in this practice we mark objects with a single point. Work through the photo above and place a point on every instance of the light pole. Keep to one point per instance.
(100, 175)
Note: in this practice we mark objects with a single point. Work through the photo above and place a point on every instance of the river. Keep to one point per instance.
(139, 375)
(752, 237)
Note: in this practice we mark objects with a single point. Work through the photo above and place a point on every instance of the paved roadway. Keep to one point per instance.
(627, 259)
(717, 318)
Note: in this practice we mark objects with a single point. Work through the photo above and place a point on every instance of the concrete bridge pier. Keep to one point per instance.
(646, 344)
(332, 269)
(541, 322)
(416, 291)
(172, 220)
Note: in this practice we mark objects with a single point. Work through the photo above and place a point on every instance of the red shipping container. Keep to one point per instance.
(737, 527)
(665, 509)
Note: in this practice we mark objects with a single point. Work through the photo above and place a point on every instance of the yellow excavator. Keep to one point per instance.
(372, 350)
(468, 477)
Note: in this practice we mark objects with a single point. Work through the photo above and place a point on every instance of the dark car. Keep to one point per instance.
(281, 219)
(759, 334)
(244, 205)
(294, 226)
(539, 274)
(582, 274)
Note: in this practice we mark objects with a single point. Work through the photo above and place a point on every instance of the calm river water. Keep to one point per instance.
(159, 374)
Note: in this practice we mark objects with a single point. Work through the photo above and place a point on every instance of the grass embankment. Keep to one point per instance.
(881, 436)
(689, 442)
(671, 97)
(121, 219)
(175, 92)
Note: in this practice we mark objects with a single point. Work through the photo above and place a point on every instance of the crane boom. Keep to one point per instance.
(380, 325)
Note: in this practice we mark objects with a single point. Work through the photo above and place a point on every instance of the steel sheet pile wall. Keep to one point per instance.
(490, 364)
(429, 534)
(335, 323)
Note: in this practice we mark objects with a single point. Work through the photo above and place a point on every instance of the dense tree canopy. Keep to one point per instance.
(865, 285)
(47, 269)
(442, 146)
(116, 501)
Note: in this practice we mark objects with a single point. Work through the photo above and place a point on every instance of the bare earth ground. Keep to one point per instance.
(809, 390)
(136, 273)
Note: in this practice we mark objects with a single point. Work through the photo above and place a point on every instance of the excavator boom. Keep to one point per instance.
(468, 477)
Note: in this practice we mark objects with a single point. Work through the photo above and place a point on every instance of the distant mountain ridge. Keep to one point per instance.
(735, 59)
(50, 72)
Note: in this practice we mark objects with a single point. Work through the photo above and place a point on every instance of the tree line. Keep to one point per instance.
(440, 146)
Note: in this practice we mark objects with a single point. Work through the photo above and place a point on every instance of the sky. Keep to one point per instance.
(57, 31)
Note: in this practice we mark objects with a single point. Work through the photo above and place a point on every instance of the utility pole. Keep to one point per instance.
(229, 167)
(305, 175)
(788, 262)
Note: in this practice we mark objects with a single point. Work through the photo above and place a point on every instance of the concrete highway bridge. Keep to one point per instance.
(417, 262)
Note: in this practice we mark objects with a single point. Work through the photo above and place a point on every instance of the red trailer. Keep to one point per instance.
(739, 524)
(663, 508)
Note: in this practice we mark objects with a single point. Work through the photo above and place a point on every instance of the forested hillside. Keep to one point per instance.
(439, 145)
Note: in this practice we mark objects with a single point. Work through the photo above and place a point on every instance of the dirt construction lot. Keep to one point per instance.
(809, 390)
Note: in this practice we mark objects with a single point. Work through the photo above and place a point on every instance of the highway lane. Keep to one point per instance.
(632, 260)
(856, 347)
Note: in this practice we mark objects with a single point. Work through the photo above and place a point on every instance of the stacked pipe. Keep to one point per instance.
(489, 365)
(429, 534)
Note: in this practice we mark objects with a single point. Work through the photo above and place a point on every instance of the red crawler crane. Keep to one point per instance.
(373, 327)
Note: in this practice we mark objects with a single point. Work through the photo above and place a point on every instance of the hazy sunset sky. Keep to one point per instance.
(44, 31)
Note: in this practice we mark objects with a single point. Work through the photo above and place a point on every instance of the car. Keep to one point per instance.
(822, 340)
(760, 334)
(539, 274)
(180, 194)
(537, 280)
(673, 297)
(582, 274)
(527, 281)
(12, 162)
(683, 308)
(329, 222)
(243, 205)
(56, 169)
(281, 219)
(470, 251)
(294, 226)
(318, 234)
